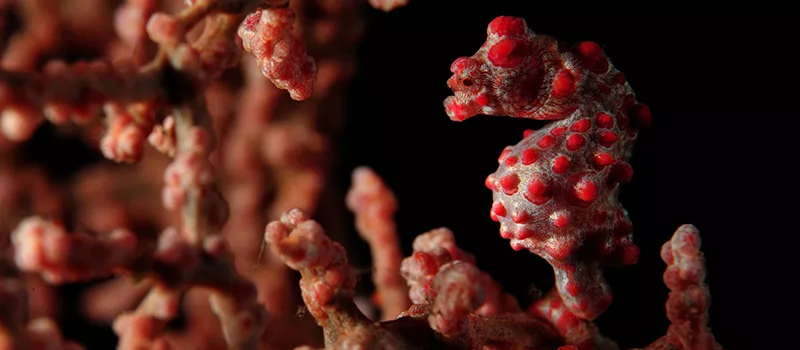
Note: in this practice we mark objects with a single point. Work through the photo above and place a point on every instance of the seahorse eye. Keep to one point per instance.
(467, 82)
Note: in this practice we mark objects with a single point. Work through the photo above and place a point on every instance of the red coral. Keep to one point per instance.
(303, 246)
(45, 247)
(689, 299)
(269, 34)
(125, 138)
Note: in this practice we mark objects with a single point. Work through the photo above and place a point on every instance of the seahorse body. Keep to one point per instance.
(555, 192)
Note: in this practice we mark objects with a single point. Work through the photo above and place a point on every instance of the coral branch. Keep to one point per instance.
(374, 206)
(442, 286)
(46, 248)
(328, 282)
(269, 35)
(689, 299)
(471, 311)
(80, 91)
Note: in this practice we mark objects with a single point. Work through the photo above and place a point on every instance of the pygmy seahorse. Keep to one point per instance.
(556, 192)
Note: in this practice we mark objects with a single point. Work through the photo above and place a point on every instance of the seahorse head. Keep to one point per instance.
(512, 74)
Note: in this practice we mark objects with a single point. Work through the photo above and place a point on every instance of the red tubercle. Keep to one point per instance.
(575, 142)
(625, 254)
(546, 141)
(558, 250)
(529, 156)
(561, 164)
(507, 53)
(558, 131)
(511, 161)
(455, 110)
(559, 219)
(537, 187)
(572, 288)
(538, 192)
(604, 121)
(509, 182)
(482, 100)
(628, 101)
(590, 49)
(523, 232)
(505, 232)
(621, 173)
(581, 125)
(527, 132)
(603, 159)
(607, 138)
(585, 189)
(489, 182)
(499, 209)
(460, 64)
(593, 57)
(564, 84)
(520, 216)
(504, 154)
(507, 26)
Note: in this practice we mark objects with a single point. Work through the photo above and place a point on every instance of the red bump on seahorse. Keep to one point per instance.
(556, 192)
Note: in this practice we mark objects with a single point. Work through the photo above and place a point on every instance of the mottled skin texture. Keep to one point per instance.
(555, 192)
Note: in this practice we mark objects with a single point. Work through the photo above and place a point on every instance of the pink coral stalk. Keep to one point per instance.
(689, 299)
(374, 206)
